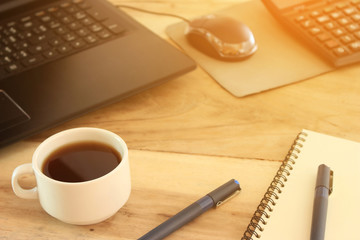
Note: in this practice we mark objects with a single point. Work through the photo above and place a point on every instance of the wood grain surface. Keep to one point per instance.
(186, 137)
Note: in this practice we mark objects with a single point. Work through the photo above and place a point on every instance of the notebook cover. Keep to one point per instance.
(291, 217)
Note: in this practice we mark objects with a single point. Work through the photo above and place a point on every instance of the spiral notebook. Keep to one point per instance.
(286, 209)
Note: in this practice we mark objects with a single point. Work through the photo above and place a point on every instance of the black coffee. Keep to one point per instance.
(80, 162)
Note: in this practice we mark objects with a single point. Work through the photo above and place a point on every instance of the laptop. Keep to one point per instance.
(61, 59)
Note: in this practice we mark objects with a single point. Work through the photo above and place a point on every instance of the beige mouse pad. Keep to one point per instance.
(281, 59)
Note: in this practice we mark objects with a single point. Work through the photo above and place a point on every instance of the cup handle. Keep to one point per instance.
(18, 190)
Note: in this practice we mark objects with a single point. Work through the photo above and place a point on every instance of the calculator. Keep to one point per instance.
(329, 27)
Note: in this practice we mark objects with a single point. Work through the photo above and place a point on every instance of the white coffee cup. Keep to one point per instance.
(79, 203)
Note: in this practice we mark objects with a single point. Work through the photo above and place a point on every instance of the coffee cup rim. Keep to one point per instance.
(38, 166)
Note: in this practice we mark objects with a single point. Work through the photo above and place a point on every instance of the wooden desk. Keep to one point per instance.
(187, 137)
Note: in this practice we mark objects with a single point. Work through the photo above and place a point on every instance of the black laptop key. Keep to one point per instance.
(54, 42)
(20, 55)
(91, 39)
(78, 43)
(80, 15)
(97, 15)
(75, 26)
(69, 37)
(104, 34)
(61, 30)
(113, 26)
(96, 27)
(64, 48)
(82, 4)
(50, 53)
(13, 67)
(34, 60)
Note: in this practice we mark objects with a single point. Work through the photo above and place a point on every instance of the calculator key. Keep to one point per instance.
(300, 18)
(341, 51)
(353, 27)
(355, 46)
(347, 39)
(331, 43)
(356, 17)
(336, 15)
(338, 32)
(314, 30)
(350, 10)
(307, 24)
(323, 19)
(329, 9)
(342, 5)
(315, 13)
(344, 21)
(323, 37)
(330, 25)
(357, 34)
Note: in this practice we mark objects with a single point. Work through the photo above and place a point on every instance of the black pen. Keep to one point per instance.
(323, 189)
(213, 199)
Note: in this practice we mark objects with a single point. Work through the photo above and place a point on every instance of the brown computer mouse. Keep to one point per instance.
(221, 37)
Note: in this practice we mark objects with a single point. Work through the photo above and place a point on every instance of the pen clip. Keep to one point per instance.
(219, 203)
(331, 179)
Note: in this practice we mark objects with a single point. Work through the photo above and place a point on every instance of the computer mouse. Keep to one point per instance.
(221, 37)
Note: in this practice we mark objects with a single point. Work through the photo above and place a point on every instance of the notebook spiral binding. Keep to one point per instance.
(264, 209)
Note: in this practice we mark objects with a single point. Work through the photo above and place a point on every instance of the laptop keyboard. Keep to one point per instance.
(52, 33)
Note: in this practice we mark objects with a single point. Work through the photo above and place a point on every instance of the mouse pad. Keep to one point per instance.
(281, 59)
